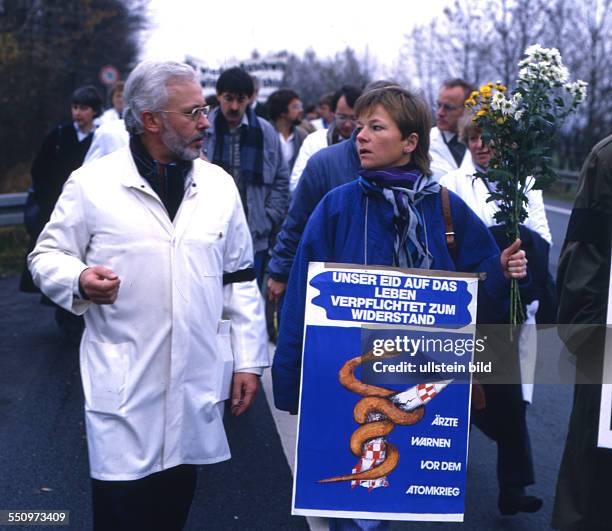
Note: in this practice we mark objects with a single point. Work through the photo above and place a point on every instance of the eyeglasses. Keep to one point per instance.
(296, 107)
(194, 114)
(346, 118)
(447, 106)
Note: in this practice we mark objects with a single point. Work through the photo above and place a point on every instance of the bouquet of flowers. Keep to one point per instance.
(520, 126)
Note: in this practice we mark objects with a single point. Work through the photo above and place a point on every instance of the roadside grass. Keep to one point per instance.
(13, 245)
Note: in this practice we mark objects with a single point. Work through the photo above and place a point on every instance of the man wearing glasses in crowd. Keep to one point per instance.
(151, 245)
(446, 151)
(249, 149)
(341, 129)
(329, 159)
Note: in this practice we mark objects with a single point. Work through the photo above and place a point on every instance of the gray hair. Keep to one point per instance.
(146, 89)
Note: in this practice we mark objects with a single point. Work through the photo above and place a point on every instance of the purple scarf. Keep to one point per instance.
(404, 187)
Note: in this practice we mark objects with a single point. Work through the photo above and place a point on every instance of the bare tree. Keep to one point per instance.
(483, 40)
(47, 49)
(311, 77)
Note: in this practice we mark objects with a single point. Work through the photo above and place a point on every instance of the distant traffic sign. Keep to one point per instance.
(108, 75)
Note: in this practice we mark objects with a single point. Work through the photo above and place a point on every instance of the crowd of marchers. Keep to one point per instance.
(172, 235)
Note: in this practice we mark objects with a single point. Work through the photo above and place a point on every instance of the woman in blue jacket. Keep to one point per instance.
(391, 215)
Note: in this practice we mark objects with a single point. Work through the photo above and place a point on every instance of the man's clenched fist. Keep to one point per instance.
(100, 284)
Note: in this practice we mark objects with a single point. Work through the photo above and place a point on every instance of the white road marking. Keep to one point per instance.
(286, 425)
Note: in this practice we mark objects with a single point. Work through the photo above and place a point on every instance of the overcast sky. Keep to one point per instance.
(218, 32)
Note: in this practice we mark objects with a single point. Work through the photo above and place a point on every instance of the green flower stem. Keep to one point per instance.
(516, 306)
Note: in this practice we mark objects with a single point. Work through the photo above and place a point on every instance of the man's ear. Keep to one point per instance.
(151, 121)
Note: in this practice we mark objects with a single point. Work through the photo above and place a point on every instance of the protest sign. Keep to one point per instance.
(385, 397)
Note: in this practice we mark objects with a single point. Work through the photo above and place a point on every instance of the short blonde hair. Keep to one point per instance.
(468, 128)
(409, 112)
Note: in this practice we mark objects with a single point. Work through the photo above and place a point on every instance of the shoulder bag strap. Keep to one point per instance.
(449, 230)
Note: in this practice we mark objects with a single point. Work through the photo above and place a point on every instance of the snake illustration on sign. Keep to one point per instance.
(378, 412)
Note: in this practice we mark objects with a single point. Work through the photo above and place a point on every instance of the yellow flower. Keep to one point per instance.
(485, 89)
(481, 113)
(490, 84)
(502, 120)
(500, 88)
(471, 102)
(474, 95)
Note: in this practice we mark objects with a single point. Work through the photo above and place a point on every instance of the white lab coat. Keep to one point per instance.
(157, 364)
(475, 193)
(314, 142)
(442, 161)
(109, 137)
(109, 115)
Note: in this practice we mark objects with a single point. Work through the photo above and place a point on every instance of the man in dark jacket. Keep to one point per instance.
(62, 152)
(584, 484)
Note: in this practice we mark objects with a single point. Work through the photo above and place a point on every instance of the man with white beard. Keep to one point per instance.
(151, 244)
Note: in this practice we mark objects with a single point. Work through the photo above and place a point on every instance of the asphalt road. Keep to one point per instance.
(43, 453)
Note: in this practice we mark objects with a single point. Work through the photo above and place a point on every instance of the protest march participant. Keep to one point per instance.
(63, 151)
(503, 419)
(446, 149)
(582, 500)
(342, 103)
(110, 136)
(249, 149)
(325, 112)
(115, 112)
(392, 215)
(151, 245)
(285, 111)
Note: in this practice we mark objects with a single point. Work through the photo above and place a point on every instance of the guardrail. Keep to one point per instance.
(11, 205)
(568, 178)
(11, 208)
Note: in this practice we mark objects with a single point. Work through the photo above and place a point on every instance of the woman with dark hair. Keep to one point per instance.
(63, 151)
(391, 215)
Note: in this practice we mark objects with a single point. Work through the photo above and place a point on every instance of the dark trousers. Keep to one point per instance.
(503, 420)
(260, 261)
(159, 502)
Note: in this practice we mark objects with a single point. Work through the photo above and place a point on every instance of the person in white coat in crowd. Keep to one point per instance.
(505, 401)
(446, 150)
(475, 191)
(116, 109)
(151, 245)
(109, 137)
